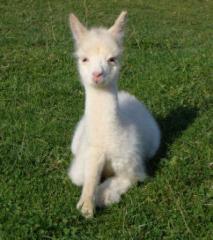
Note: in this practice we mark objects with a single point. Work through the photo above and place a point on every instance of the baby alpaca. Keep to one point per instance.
(116, 133)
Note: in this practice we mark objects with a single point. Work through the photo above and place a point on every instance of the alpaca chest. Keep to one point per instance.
(103, 133)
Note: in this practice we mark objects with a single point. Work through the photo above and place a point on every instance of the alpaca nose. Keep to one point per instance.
(97, 76)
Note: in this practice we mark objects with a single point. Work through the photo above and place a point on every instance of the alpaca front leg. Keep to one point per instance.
(93, 168)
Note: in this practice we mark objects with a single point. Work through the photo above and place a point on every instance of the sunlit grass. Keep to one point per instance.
(167, 64)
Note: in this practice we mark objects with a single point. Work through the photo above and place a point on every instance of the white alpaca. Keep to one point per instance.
(116, 133)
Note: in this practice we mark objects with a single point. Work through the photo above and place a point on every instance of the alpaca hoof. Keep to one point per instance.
(86, 207)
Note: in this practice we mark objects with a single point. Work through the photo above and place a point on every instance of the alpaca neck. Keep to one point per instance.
(101, 111)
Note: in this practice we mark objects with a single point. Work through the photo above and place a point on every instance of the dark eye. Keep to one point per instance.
(112, 59)
(85, 60)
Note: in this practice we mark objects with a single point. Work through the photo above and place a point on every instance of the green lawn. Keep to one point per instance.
(167, 63)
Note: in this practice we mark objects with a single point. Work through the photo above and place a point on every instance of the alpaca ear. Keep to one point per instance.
(117, 29)
(77, 28)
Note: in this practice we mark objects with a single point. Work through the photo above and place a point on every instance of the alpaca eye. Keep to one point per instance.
(112, 59)
(85, 60)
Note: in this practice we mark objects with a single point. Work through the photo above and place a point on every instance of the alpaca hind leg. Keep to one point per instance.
(110, 190)
(76, 141)
(76, 170)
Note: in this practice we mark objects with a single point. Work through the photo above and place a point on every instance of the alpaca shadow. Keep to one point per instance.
(172, 126)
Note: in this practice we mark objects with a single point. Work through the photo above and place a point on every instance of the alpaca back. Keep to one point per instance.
(135, 112)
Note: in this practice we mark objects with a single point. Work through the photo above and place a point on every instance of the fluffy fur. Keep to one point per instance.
(116, 133)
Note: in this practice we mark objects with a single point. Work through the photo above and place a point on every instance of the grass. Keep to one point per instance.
(167, 64)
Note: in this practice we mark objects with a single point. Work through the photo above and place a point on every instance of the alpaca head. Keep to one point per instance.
(98, 51)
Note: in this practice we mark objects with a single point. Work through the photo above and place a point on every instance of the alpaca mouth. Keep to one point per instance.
(98, 82)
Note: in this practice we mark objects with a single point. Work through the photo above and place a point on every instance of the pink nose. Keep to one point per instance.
(97, 76)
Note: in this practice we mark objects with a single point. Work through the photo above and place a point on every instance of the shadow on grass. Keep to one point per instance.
(172, 127)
